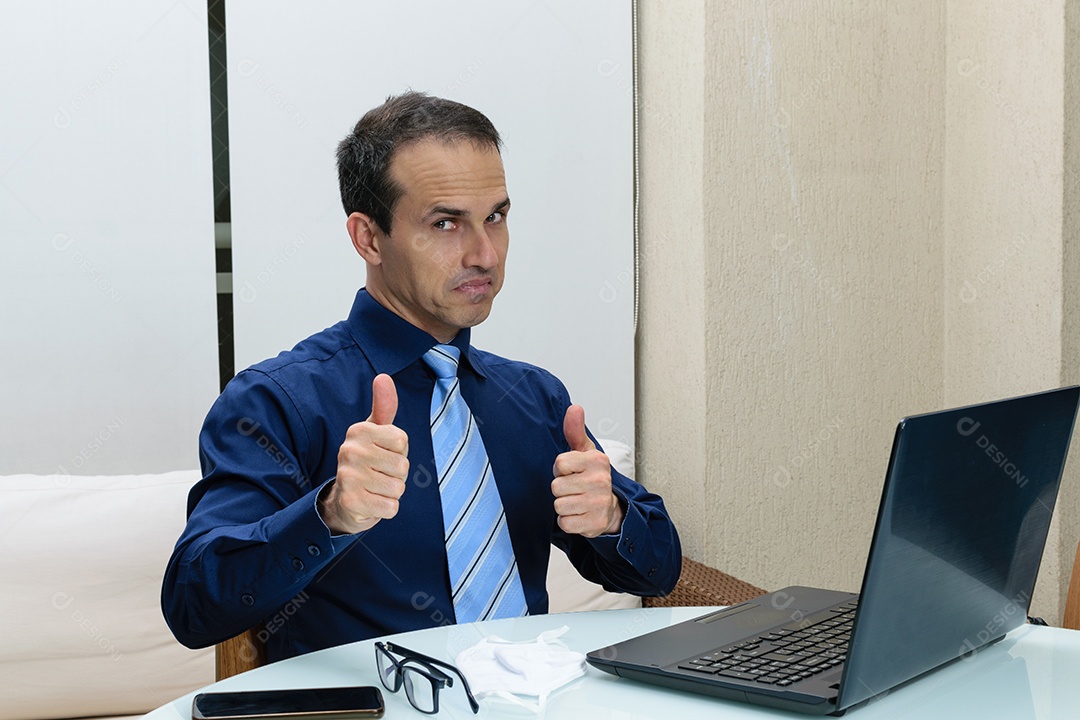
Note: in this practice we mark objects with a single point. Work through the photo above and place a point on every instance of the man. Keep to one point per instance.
(322, 527)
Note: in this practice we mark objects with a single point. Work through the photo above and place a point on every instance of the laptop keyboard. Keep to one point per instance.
(786, 654)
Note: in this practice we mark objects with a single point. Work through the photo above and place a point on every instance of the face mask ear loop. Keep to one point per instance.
(551, 637)
(541, 701)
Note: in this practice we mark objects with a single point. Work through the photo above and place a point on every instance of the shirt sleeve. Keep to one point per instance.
(254, 538)
(645, 558)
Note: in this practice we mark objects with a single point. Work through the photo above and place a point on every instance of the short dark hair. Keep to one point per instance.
(364, 156)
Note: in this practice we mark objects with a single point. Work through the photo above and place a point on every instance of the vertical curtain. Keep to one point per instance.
(107, 288)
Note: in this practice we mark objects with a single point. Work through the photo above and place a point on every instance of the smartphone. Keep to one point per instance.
(338, 703)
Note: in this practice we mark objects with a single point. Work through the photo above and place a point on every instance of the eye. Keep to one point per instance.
(496, 217)
(444, 224)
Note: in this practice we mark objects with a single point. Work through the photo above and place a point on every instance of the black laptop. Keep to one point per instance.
(960, 534)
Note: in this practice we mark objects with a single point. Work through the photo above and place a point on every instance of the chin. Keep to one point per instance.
(473, 319)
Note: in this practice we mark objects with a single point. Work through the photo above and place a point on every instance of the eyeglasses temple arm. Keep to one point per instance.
(434, 661)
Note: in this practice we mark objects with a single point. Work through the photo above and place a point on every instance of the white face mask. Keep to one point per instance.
(502, 669)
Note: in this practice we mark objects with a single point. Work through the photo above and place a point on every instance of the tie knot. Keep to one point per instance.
(443, 359)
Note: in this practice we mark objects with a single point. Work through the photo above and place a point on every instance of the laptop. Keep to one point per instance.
(960, 533)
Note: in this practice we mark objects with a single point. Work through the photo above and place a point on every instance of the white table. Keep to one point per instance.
(1033, 673)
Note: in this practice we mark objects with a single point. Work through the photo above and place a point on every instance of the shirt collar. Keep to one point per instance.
(392, 343)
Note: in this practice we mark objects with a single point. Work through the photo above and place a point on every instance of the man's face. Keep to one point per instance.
(442, 264)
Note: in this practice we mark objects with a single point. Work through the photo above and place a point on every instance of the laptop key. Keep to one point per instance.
(698, 668)
(737, 675)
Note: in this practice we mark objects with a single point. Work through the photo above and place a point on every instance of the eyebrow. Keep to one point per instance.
(458, 212)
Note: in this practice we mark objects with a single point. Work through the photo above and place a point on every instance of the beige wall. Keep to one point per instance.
(824, 188)
(1004, 190)
(1069, 504)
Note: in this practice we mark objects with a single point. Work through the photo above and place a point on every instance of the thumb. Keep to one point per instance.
(574, 429)
(383, 400)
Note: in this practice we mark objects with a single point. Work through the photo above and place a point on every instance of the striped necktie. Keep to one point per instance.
(484, 577)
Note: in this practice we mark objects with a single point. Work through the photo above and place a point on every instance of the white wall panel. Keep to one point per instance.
(109, 358)
(553, 76)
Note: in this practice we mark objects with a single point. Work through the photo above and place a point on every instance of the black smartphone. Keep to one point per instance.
(337, 703)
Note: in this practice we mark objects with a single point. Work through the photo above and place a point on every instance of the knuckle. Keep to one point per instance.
(397, 488)
(358, 430)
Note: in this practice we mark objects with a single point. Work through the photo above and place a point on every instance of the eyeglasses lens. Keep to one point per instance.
(387, 670)
(420, 689)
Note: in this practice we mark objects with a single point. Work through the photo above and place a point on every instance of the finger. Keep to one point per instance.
(388, 437)
(384, 401)
(370, 505)
(361, 459)
(571, 463)
(568, 505)
(574, 429)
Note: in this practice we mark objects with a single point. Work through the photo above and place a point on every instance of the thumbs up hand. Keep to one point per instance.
(584, 501)
(373, 463)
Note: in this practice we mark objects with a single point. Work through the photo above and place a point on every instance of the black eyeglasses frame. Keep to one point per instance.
(429, 667)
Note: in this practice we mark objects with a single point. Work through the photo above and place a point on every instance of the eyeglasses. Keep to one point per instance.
(420, 674)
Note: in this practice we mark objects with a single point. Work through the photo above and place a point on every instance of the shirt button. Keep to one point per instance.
(631, 546)
(313, 550)
(247, 599)
(652, 571)
(297, 564)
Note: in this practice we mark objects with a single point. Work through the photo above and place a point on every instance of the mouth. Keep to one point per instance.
(476, 288)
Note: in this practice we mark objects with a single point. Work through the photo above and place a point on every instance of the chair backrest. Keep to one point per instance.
(239, 654)
(1072, 600)
(700, 585)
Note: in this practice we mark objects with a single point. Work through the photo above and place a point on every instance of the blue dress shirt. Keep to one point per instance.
(255, 551)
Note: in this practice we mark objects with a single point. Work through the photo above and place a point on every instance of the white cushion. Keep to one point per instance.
(567, 590)
(81, 630)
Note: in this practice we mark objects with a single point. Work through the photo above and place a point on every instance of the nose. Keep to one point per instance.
(480, 251)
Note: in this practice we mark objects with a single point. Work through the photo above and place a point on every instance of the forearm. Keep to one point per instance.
(224, 578)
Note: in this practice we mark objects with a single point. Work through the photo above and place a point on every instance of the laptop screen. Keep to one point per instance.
(961, 529)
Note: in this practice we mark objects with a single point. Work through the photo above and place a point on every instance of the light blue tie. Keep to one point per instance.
(484, 577)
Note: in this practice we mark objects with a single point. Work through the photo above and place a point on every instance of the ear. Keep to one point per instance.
(366, 237)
